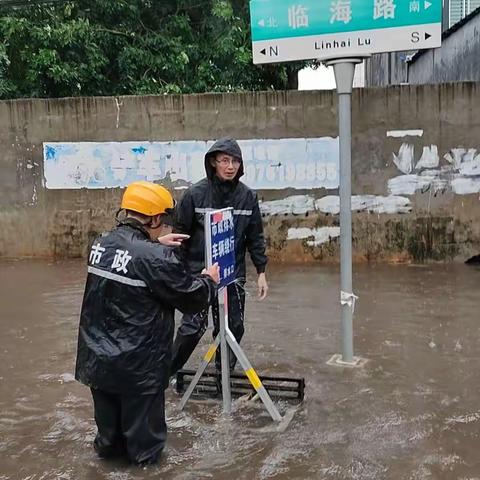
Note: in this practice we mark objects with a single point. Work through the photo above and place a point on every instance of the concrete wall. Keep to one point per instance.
(433, 220)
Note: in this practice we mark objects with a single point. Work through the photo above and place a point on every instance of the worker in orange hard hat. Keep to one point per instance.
(135, 282)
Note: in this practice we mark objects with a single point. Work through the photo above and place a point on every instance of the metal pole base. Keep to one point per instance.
(336, 361)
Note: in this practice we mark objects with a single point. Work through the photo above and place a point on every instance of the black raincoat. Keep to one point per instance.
(212, 193)
(127, 319)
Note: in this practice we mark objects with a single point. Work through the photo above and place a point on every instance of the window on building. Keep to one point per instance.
(459, 9)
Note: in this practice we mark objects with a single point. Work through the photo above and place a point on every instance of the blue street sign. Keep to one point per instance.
(284, 30)
(220, 243)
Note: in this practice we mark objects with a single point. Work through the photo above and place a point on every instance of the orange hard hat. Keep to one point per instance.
(147, 198)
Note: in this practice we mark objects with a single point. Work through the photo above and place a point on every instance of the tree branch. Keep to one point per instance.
(114, 32)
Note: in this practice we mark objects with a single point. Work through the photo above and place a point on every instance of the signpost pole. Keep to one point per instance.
(341, 36)
(344, 70)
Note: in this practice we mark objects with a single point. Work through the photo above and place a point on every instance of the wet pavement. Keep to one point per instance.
(413, 412)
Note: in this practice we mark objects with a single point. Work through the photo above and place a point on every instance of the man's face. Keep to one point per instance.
(226, 166)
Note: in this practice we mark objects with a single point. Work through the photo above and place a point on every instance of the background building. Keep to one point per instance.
(458, 59)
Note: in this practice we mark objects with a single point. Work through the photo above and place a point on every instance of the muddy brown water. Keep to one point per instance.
(413, 412)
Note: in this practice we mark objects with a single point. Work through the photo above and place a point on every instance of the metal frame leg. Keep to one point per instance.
(253, 377)
(206, 360)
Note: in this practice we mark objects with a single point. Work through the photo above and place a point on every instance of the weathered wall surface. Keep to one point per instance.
(385, 69)
(415, 183)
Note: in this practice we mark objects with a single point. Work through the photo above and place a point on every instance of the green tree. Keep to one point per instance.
(122, 47)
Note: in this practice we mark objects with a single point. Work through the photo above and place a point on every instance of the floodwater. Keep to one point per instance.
(413, 412)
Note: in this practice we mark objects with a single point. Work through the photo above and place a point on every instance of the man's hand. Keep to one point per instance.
(173, 239)
(213, 272)
(262, 286)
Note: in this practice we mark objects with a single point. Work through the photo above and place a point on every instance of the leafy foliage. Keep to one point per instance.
(121, 47)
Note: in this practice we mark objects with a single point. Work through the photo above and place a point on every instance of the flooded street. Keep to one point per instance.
(413, 412)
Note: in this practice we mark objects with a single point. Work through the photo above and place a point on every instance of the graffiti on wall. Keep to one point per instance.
(304, 163)
(458, 170)
(330, 204)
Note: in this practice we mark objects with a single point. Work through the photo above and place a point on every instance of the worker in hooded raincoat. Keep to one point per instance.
(220, 189)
